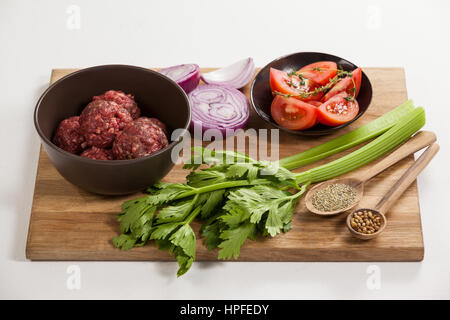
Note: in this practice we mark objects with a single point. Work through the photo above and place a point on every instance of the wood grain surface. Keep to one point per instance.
(68, 223)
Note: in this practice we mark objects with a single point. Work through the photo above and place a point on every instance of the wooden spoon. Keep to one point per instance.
(419, 141)
(394, 193)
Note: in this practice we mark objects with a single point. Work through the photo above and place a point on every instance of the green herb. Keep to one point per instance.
(263, 208)
(350, 139)
(302, 79)
(332, 81)
(292, 84)
(349, 98)
(239, 199)
(343, 73)
(177, 205)
(400, 132)
(309, 93)
(172, 232)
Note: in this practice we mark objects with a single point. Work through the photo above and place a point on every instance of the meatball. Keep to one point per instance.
(101, 120)
(158, 123)
(68, 135)
(98, 153)
(138, 139)
(124, 100)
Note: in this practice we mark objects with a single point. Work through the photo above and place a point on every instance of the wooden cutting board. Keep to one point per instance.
(68, 223)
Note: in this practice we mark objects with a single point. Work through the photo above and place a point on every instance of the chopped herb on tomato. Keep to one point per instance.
(296, 86)
(338, 110)
(320, 72)
(316, 84)
(350, 84)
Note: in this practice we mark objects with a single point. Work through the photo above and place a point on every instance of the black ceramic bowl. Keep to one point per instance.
(261, 94)
(156, 95)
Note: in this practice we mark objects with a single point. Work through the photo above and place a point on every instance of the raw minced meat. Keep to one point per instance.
(101, 120)
(159, 124)
(138, 139)
(124, 100)
(108, 122)
(68, 135)
(97, 153)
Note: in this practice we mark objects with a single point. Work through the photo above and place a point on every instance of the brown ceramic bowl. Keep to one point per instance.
(156, 95)
(261, 94)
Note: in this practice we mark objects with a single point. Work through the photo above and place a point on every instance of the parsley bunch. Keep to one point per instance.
(236, 196)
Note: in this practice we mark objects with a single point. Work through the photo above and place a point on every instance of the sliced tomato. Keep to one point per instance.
(315, 103)
(346, 84)
(320, 72)
(282, 82)
(338, 110)
(292, 113)
(357, 75)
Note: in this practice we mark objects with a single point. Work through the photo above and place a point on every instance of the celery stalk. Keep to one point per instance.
(348, 140)
(393, 137)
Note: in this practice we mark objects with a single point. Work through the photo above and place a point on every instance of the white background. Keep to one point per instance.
(35, 37)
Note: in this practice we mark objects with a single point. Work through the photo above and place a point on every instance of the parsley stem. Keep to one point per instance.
(193, 214)
(302, 189)
(300, 192)
(218, 186)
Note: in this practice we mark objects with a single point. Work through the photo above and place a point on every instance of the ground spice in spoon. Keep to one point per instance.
(334, 197)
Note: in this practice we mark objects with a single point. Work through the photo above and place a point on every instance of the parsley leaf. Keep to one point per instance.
(131, 212)
(184, 238)
(124, 241)
(162, 231)
(273, 222)
(256, 200)
(214, 199)
(184, 261)
(169, 192)
(211, 233)
(172, 231)
(175, 213)
(142, 226)
(238, 199)
(205, 177)
(215, 157)
(233, 239)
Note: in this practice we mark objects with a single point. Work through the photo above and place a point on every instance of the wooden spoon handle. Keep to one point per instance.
(407, 178)
(414, 144)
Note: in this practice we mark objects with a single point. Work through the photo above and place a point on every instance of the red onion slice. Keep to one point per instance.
(186, 75)
(218, 107)
(237, 75)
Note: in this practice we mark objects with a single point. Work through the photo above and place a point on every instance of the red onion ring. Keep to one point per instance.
(186, 75)
(218, 107)
(237, 75)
